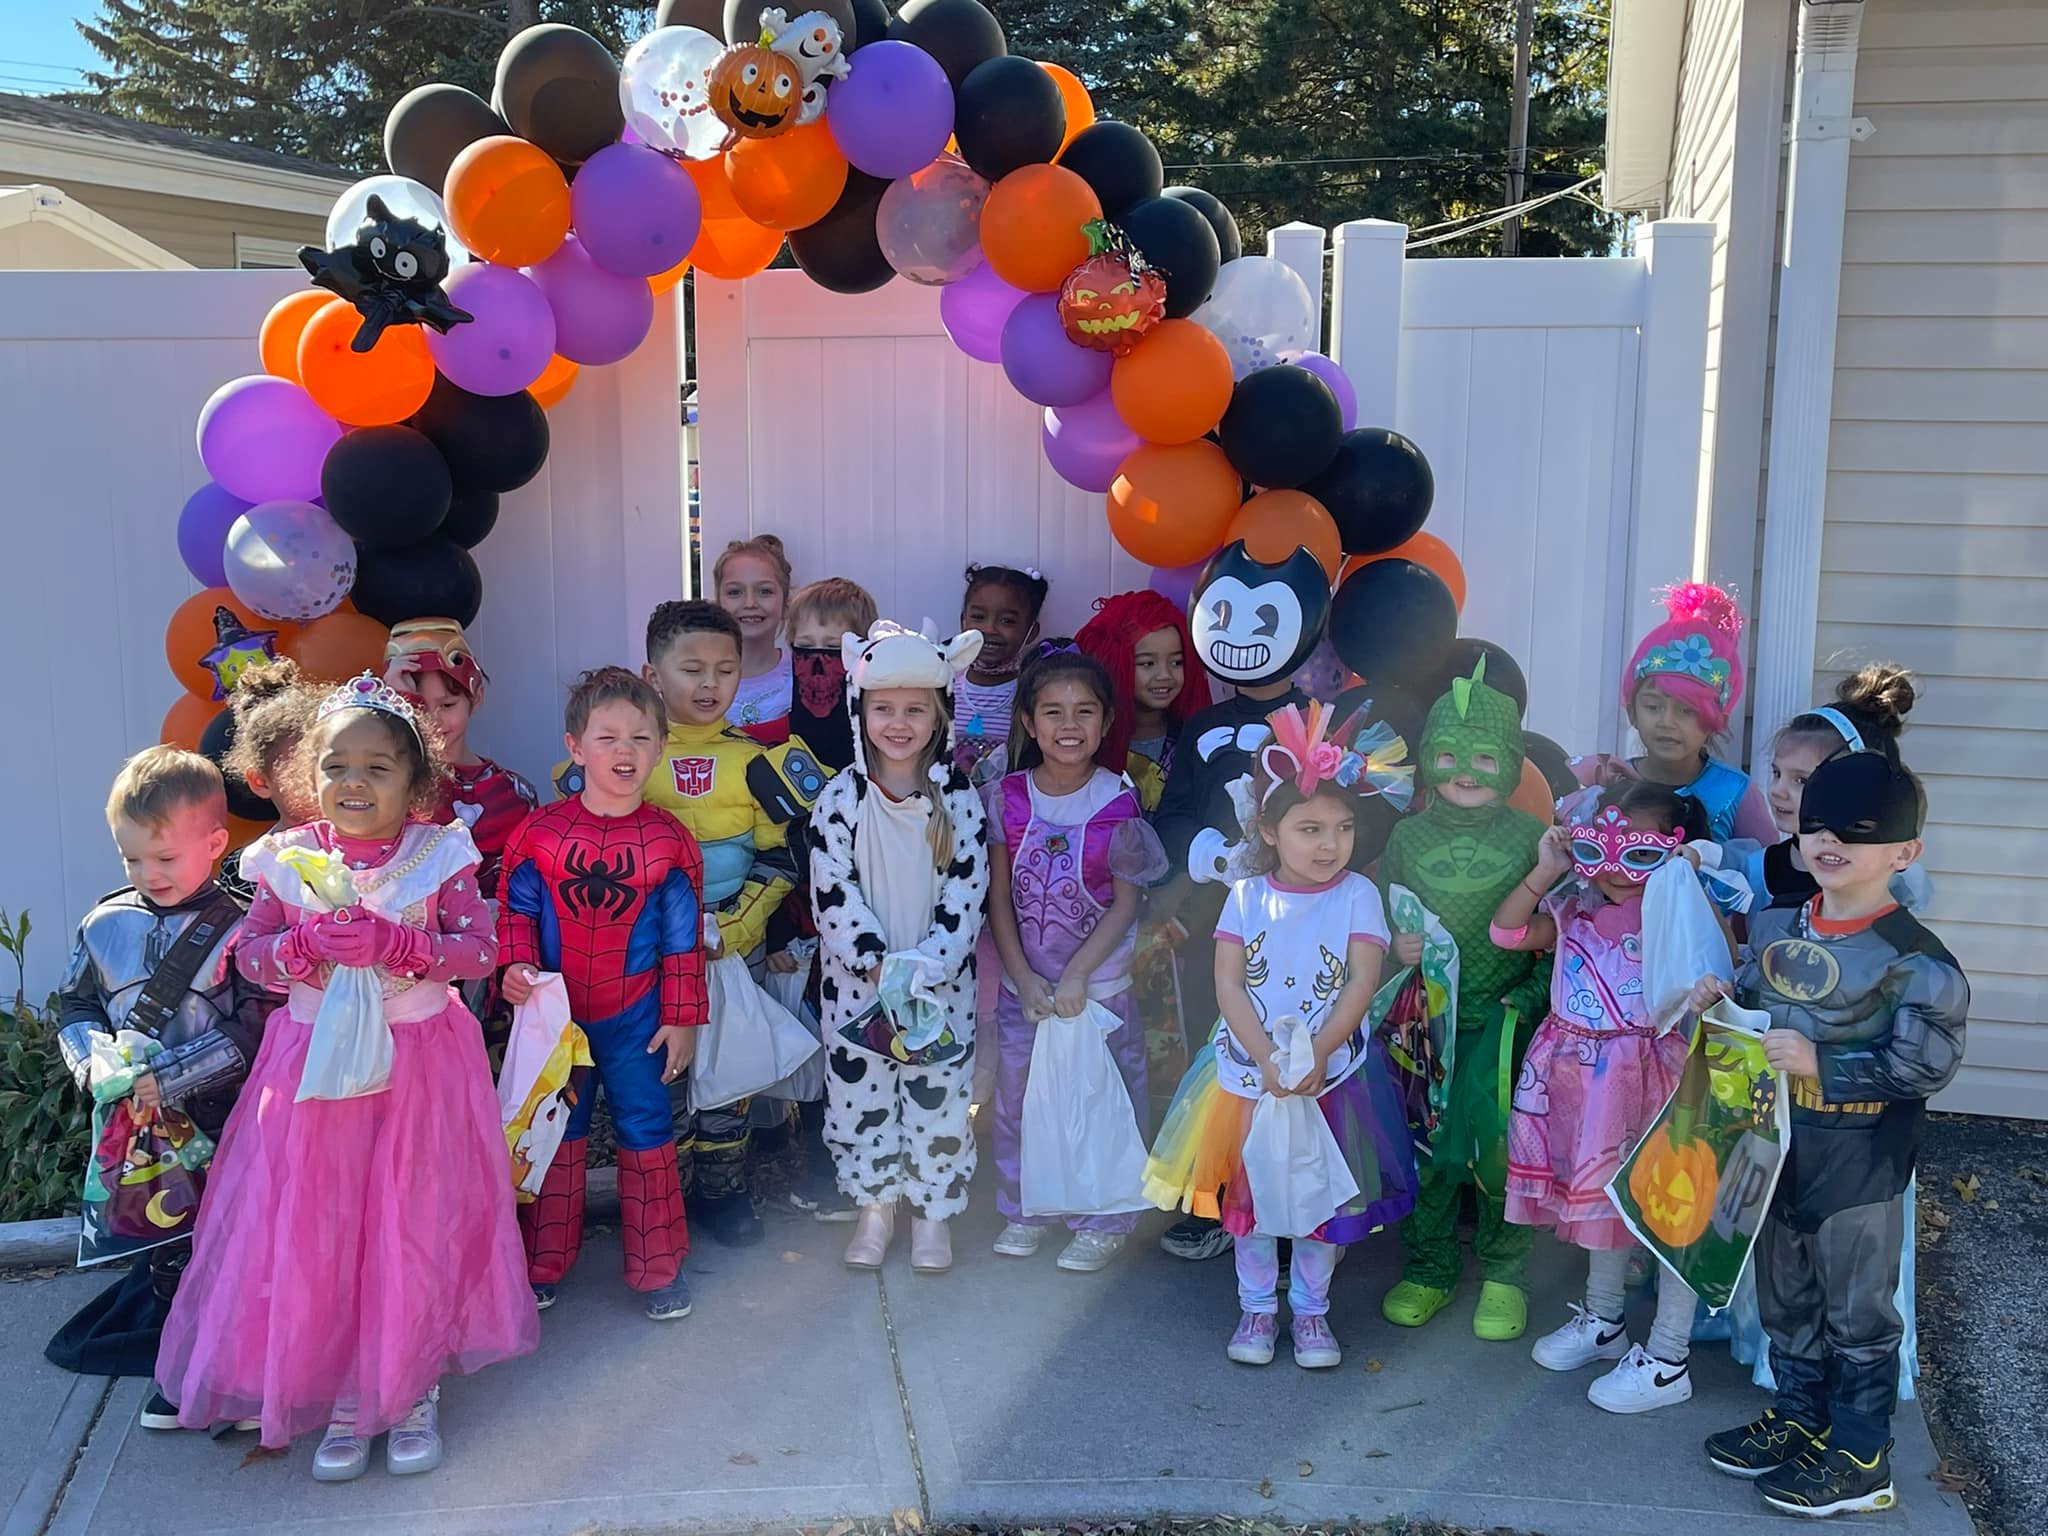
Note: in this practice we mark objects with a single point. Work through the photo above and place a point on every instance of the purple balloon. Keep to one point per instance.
(263, 439)
(1332, 375)
(1043, 366)
(975, 309)
(1085, 443)
(893, 112)
(203, 533)
(1176, 583)
(509, 342)
(600, 317)
(636, 210)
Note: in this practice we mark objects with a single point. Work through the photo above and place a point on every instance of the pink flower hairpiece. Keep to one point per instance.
(1304, 752)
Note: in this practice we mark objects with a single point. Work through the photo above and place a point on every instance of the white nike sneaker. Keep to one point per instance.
(1640, 1383)
(1581, 1341)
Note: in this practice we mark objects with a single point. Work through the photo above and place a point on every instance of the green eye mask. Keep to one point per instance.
(1470, 722)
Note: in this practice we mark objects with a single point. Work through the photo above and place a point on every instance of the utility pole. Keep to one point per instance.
(1518, 127)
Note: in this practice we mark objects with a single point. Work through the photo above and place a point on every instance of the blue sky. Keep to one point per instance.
(40, 50)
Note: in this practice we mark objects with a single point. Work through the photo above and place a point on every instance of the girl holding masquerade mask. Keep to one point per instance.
(1595, 1076)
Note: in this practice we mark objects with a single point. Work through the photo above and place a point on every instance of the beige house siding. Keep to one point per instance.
(1936, 542)
(202, 232)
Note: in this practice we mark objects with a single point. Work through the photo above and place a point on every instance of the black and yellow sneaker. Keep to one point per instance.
(1826, 1480)
(1758, 1447)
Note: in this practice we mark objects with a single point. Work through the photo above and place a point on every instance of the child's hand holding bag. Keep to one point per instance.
(350, 1053)
(1297, 1172)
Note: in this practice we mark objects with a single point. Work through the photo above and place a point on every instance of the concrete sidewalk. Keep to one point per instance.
(1004, 1393)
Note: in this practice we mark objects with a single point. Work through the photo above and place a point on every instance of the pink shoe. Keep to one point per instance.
(1315, 1347)
(1252, 1344)
(873, 1230)
(931, 1247)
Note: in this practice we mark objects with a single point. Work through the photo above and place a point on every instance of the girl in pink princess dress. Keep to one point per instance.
(355, 1250)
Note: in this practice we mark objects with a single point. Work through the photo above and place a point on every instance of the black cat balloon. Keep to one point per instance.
(392, 273)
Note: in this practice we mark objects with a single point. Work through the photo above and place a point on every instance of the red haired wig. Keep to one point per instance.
(1112, 637)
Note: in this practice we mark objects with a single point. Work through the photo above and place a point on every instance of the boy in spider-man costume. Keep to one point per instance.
(604, 888)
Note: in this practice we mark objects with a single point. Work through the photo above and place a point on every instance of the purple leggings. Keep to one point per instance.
(1014, 1037)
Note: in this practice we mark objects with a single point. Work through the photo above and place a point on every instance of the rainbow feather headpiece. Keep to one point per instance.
(1365, 757)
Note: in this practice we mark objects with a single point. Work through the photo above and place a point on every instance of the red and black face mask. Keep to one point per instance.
(817, 705)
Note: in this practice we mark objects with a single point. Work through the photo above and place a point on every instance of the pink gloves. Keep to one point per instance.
(361, 937)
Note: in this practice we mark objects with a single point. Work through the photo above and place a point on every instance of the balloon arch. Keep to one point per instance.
(520, 240)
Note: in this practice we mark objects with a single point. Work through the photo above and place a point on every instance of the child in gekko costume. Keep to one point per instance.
(1460, 855)
(602, 887)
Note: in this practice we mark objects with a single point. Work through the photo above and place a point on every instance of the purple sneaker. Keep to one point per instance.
(1315, 1347)
(1252, 1344)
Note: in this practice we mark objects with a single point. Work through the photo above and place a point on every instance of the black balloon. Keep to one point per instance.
(1008, 113)
(559, 87)
(1179, 242)
(491, 442)
(1282, 427)
(870, 24)
(1552, 761)
(840, 251)
(1378, 488)
(958, 33)
(433, 124)
(742, 18)
(1210, 206)
(215, 742)
(704, 15)
(471, 517)
(1503, 672)
(1119, 163)
(386, 486)
(1396, 706)
(434, 578)
(1391, 622)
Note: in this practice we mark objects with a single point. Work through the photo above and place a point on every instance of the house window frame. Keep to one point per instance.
(256, 253)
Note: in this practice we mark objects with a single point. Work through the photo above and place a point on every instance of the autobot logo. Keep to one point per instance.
(694, 775)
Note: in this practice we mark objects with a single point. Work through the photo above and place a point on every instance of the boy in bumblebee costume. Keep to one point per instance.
(1867, 1011)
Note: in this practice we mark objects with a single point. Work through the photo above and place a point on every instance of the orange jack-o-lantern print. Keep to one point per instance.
(1113, 298)
(756, 91)
(1674, 1184)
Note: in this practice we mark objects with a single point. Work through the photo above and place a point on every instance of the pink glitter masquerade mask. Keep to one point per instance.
(1609, 845)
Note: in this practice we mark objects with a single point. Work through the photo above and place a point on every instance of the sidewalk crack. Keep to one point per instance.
(924, 1498)
(99, 1410)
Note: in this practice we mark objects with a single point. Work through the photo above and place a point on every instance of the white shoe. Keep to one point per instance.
(1019, 1241)
(343, 1455)
(1585, 1338)
(1642, 1382)
(1090, 1251)
(414, 1444)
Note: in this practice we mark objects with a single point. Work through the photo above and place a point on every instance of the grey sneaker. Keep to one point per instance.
(343, 1455)
(414, 1444)
(544, 1296)
(1090, 1251)
(1018, 1241)
(672, 1301)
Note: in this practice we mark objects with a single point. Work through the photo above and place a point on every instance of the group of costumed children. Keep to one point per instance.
(796, 782)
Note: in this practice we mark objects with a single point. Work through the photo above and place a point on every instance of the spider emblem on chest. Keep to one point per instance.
(597, 884)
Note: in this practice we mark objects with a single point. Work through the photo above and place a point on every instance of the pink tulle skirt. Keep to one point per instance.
(351, 1252)
(1584, 1099)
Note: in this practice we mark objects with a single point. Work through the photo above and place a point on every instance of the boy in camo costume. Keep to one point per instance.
(1461, 855)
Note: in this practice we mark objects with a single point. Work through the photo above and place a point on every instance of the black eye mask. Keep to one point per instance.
(1863, 797)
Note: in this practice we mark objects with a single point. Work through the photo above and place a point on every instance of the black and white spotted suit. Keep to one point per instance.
(897, 1132)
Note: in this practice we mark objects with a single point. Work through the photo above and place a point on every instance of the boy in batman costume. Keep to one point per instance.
(1867, 1012)
(1461, 855)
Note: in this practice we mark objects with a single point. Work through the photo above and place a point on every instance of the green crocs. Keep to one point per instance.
(1502, 1313)
(1411, 1304)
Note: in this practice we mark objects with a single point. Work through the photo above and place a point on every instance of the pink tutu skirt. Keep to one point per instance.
(351, 1252)
(1583, 1100)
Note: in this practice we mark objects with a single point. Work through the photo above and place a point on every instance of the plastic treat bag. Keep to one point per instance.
(807, 1082)
(749, 1042)
(1297, 1172)
(1415, 1014)
(1080, 1153)
(350, 1053)
(546, 1059)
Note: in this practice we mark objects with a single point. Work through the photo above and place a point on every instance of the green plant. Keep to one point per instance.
(44, 1122)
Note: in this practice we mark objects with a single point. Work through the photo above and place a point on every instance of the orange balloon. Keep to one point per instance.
(1031, 226)
(554, 382)
(1425, 549)
(1533, 794)
(1274, 524)
(338, 646)
(729, 244)
(242, 832)
(190, 635)
(1073, 96)
(661, 282)
(186, 721)
(1174, 385)
(278, 341)
(365, 389)
(788, 181)
(1171, 503)
(508, 201)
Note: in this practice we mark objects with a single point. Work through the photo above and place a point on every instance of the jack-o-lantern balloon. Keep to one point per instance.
(1674, 1184)
(756, 91)
(1113, 298)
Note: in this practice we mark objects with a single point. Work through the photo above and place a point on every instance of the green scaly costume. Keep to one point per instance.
(1462, 863)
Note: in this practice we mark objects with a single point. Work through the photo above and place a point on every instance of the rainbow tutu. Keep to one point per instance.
(1197, 1163)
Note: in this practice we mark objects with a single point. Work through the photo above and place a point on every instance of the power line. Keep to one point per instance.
(1478, 222)
(1434, 155)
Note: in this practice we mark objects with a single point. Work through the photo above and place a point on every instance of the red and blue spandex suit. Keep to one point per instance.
(612, 902)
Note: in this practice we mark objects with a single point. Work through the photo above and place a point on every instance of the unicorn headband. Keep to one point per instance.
(1304, 752)
(369, 692)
